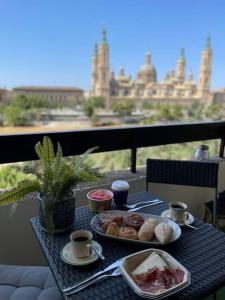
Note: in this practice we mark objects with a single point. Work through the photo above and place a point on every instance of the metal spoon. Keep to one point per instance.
(97, 252)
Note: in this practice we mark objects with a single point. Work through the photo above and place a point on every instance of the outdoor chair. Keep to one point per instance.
(27, 283)
(188, 173)
(220, 208)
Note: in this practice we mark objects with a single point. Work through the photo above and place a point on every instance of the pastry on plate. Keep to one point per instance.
(113, 229)
(128, 233)
(146, 232)
(164, 233)
(133, 220)
(112, 218)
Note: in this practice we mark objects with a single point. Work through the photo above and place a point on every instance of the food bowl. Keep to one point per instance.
(130, 263)
(100, 199)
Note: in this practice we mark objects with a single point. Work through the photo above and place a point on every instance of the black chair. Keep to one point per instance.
(220, 205)
(191, 173)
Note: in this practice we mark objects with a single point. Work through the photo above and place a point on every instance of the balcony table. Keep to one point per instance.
(201, 251)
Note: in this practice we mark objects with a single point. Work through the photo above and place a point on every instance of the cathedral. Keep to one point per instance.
(175, 88)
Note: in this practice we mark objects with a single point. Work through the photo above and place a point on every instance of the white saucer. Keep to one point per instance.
(68, 257)
(189, 217)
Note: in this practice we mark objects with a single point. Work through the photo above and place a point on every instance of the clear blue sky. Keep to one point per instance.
(50, 42)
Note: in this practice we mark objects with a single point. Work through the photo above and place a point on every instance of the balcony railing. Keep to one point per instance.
(20, 147)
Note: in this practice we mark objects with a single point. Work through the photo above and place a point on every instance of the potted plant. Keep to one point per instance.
(54, 183)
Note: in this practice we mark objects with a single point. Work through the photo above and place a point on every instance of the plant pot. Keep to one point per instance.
(63, 213)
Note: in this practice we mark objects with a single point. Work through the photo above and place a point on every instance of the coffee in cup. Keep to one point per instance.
(177, 211)
(81, 241)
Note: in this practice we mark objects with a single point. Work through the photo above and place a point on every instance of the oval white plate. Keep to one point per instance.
(68, 257)
(189, 218)
(97, 228)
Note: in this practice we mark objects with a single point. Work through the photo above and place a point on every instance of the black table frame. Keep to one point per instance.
(201, 251)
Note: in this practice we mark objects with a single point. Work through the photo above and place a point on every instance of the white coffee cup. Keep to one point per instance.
(81, 241)
(177, 211)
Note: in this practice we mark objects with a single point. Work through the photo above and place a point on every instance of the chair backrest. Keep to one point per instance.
(193, 173)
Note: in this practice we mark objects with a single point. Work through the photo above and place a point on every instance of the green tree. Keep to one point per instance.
(29, 102)
(177, 112)
(15, 116)
(98, 102)
(148, 105)
(88, 108)
(124, 109)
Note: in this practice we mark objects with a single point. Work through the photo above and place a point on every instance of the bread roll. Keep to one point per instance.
(164, 233)
(146, 231)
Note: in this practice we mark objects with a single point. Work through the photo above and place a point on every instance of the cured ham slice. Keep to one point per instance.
(155, 280)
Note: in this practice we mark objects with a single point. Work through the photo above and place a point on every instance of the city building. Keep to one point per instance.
(176, 86)
(62, 95)
(4, 95)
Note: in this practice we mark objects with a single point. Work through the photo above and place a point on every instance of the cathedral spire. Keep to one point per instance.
(206, 67)
(104, 36)
(148, 57)
(182, 55)
(208, 43)
(180, 70)
(96, 49)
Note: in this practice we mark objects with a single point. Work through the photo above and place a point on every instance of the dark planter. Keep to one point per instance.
(63, 213)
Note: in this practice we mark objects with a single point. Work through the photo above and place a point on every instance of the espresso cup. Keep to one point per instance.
(120, 192)
(177, 211)
(81, 241)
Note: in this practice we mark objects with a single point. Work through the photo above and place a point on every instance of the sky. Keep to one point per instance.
(50, 42)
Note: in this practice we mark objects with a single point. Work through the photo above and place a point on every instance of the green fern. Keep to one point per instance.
(54, 181)
(18, 193)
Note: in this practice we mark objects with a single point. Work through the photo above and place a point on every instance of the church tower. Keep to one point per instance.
(205, 68)
(180, 71)
(94, 70)
(103, 74)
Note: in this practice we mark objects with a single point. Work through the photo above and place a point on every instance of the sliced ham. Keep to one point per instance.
(155, 280)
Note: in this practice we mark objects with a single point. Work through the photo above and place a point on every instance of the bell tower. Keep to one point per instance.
(94, 70)
(103, 76)
(205, 67)
(180, 70)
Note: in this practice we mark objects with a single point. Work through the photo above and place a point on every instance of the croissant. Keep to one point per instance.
(146, 231)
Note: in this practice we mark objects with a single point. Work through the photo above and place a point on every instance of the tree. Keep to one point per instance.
(88, 108)
(98, 102)
(15, 116)
(124, 109)
(29, 102)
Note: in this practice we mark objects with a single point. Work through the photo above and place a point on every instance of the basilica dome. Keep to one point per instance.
(147, 72)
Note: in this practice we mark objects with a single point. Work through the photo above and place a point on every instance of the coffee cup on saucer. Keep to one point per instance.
(177, 211)
(81, 242)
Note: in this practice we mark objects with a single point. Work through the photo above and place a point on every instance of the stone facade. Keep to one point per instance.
(62, 95)
(176, 86)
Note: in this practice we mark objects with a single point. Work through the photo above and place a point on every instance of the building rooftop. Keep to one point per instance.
(48, 88)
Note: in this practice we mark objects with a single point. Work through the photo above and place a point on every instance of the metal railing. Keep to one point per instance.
(20, 147)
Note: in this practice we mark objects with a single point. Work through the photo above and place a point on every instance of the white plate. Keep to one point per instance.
(68, 257)
(98, 229)
(189, 217)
